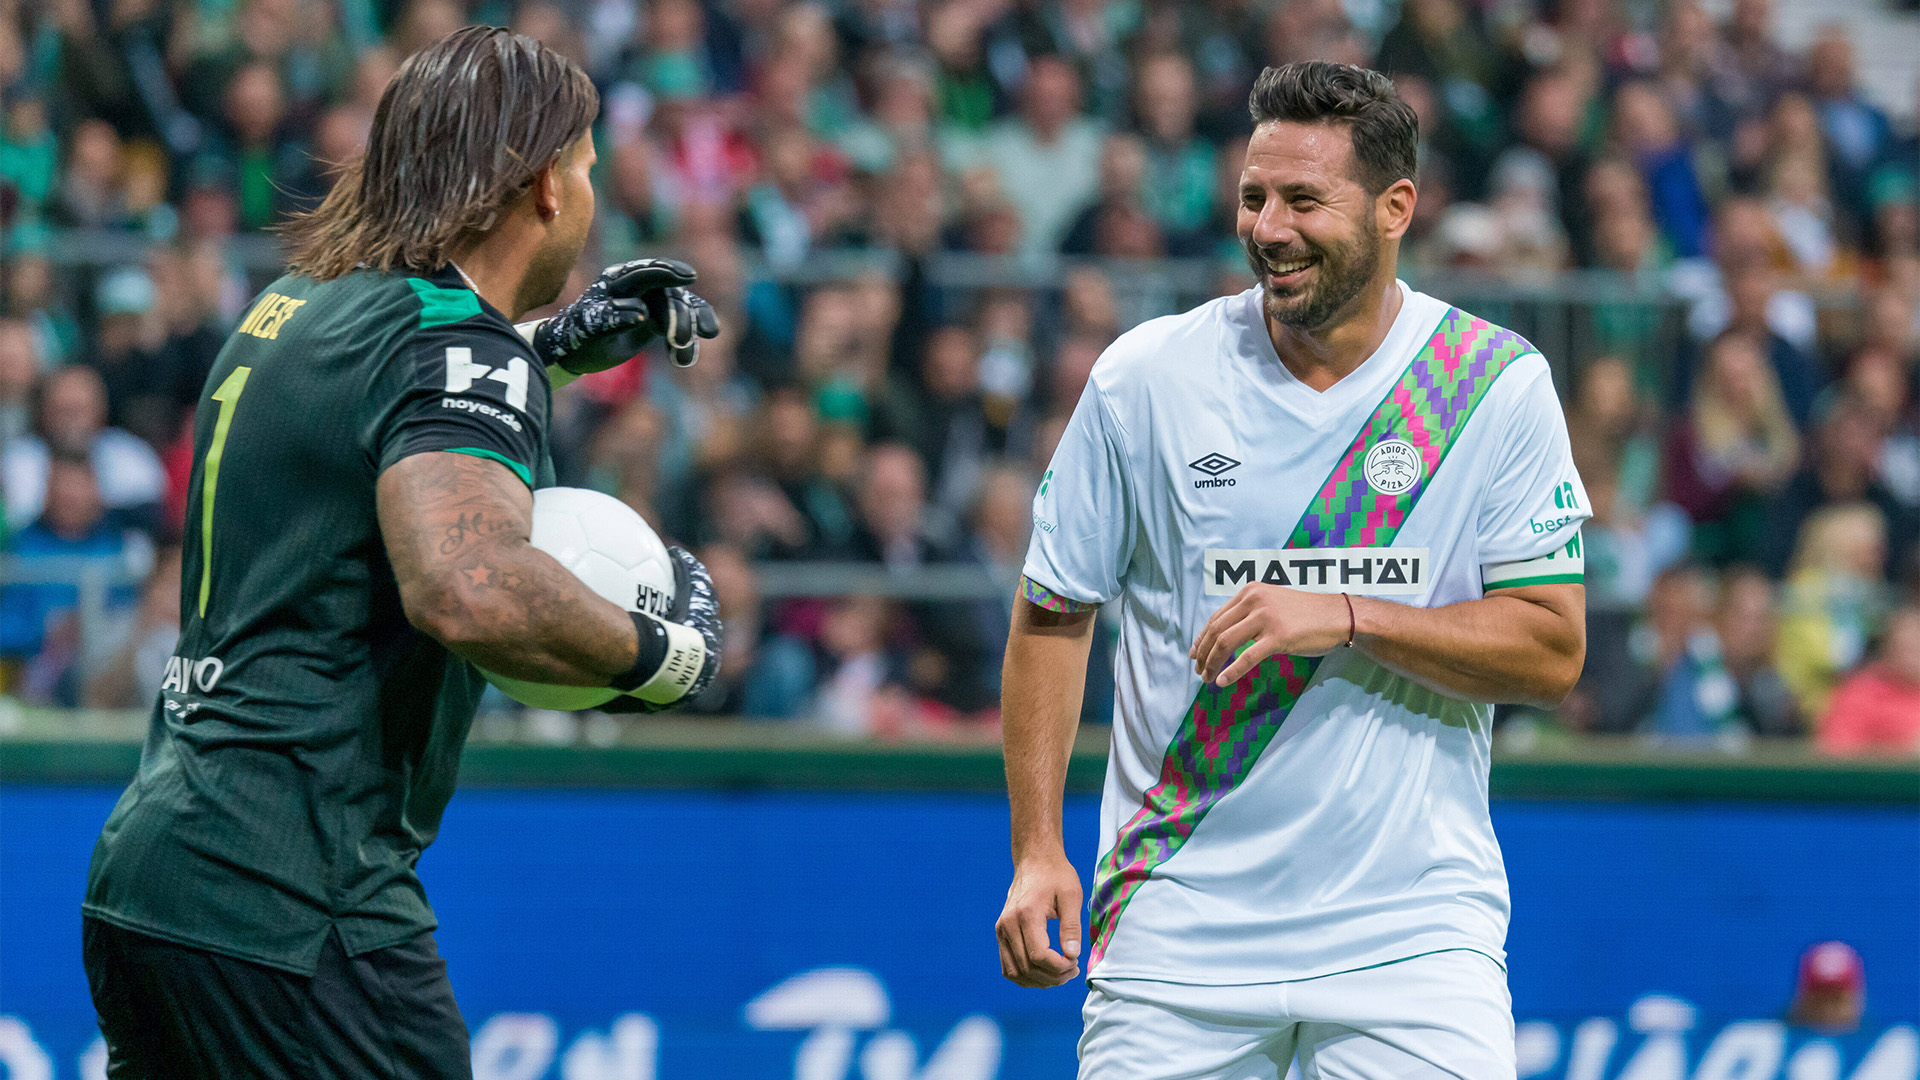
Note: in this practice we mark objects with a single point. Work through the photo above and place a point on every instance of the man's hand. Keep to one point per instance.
(1268, 619)
(694, 636)
(627, 306)
(695, 605)
(1043, 888)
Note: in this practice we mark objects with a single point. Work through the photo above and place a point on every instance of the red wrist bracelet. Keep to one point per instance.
(1350, 620)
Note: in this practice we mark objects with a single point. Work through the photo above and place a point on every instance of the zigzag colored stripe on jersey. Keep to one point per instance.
(1228, 728)
(1042, 597)
(1428, 407)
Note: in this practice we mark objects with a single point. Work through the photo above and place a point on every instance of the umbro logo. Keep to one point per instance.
(1213, 465)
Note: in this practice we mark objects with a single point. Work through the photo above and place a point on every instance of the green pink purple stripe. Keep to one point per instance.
(1227, 728)
(1042, 597)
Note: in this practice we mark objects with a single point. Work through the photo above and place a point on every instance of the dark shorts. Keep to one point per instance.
(173, 1012)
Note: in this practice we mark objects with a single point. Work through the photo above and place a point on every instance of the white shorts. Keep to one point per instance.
(1432, 1017)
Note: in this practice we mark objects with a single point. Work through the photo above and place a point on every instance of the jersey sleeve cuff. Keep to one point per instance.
(1565, 565)
(1042, 597)
(525, 474)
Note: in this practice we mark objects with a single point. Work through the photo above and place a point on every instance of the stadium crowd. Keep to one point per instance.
(1754, 556)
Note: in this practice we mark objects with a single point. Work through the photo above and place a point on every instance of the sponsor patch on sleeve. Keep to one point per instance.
(1566, 565)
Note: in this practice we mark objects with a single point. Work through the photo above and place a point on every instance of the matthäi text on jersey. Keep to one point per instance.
(1376, 571)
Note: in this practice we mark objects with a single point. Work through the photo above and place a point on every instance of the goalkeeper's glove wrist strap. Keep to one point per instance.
(670, 659)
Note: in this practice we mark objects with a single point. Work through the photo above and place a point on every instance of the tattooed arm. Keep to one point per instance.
(457, 531)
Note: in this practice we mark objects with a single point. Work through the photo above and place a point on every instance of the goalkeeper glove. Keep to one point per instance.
(626, 306)
(679, 655)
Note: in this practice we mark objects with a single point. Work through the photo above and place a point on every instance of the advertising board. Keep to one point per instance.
(658, 935)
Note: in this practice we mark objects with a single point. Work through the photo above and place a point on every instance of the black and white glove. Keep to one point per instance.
(679, 655)
(627, 306)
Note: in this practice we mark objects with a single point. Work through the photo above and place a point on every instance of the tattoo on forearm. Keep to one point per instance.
(457, 532)
(465, 526)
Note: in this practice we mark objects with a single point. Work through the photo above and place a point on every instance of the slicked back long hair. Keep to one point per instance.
(460, 133)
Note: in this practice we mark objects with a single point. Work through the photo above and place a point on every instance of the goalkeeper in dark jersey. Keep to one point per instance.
(357, 539)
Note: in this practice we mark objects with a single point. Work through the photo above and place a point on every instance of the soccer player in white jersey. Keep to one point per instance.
(1340, 520)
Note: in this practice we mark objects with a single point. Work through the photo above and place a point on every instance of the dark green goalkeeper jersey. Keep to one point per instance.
(306, 737)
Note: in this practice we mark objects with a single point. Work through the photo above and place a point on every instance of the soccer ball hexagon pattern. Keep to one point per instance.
(610, 548)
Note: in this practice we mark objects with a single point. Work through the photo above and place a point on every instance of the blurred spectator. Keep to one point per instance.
(1877, 708)
(853, 643)
(1690, 48)
(1624, 239)
(19, 370)
(1629, 687)
(892, 503)
(1552, 109)
(90, 192)
(1743, 235)
(1117, 224)
(1089, 310)
(942, 416)
(1882, 387)
(1834, 599)
(253, 152)
(131, 676)
(1006, 360)
(29, 154)
(800, 201)
(39, 621)
(1179, 184)
(1751, 287)
(1753, 69)
(70, 418)
(1831, 990)
(1612, 431)
(902, 122)
(815, 517)
(1696, 701)
(1438, 41)
(950, 658)
(1748, 628)
(1647, 130)
(1797, 192)
(125, 352)
(1843, 468)
(1857, 131)
(30, 295)
(1893, 323)
(1047, 159)
(968, 93)
(189, 288)
(1001, 522)
(1523, 198)
(1733, 450)
(1626, 551)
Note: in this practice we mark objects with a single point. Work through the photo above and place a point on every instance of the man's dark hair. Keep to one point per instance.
(1386, 134)
(460, 133)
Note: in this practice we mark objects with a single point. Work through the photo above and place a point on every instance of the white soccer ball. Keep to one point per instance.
(613, 550)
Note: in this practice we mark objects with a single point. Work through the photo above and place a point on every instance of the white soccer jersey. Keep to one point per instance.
(1319, 816)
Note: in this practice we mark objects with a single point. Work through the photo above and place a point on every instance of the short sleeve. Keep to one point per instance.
(1082, 515)
(1529, 524)
(468, 388)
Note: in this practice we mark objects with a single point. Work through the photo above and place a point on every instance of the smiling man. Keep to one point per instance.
(1296, 857)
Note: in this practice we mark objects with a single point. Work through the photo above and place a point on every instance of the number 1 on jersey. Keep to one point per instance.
(228, 395)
